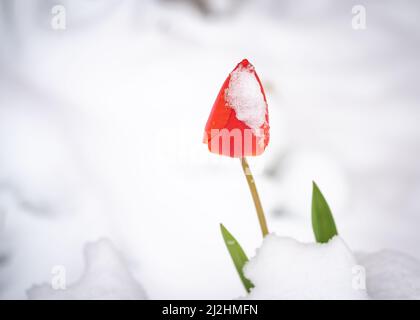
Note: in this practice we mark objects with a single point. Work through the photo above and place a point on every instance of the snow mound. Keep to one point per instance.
(284, 268)
(391, 275)
(106, 277)
(245, 97)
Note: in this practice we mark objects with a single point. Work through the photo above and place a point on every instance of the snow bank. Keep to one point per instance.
(245, 97)
(391, 275)
(106, 277)
(284, 268)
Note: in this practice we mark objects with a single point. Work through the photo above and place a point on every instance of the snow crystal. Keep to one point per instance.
(391, 275)
(284, 268)
(106, 277)
(245, 97)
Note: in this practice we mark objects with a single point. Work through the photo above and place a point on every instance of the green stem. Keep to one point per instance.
(255, 196)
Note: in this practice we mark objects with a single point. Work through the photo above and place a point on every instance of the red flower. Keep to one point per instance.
(238, 124)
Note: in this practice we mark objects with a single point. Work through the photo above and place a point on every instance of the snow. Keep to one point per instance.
(245, 97)
(106, 277)
(284, 268)
(391, 275)
(103, 140)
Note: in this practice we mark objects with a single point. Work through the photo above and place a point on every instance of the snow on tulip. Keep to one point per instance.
(238, 126)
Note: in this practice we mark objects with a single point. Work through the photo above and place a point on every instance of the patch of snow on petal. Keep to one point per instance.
(244, 95)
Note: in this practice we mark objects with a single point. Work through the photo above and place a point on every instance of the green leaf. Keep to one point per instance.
(238, 256)
(322, 219)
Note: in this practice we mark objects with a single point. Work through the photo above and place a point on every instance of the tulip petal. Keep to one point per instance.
(224, 127)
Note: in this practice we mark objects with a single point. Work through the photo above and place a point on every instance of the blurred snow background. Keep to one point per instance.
(106, 277)
(101, 127)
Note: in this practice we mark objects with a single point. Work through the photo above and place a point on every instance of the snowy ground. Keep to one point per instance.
(101, 128)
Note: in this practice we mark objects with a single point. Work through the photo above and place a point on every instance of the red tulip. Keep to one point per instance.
(238, 124)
